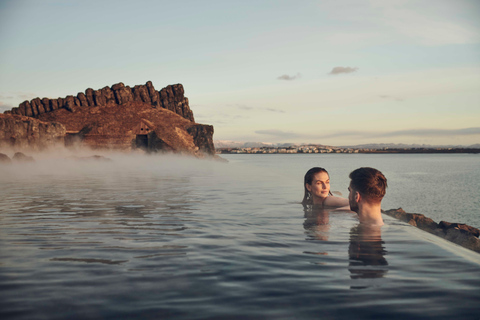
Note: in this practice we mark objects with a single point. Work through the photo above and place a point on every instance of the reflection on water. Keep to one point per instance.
(317, 223)
(367, 253)
(366, 250)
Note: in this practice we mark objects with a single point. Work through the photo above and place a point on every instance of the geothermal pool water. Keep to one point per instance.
(166, 237)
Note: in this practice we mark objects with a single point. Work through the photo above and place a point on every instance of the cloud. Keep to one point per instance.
(244, 107)
(403, 133)
(25, 95)
(425, 22)
(289, 78)
(11, 99)
(340, 70)
(278, 133)
(5, 105)
(273, 110)
(428, 22)
(283, 136)
(391, 98)
(18, 95)
(433, 132)
(221, 118)
(342, 134)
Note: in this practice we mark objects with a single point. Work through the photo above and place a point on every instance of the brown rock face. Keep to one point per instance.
(82, 98)
(140, 93)
(448, 225)
(22, 132)
(120, 117)
(414, 219)
(202, 137)
(89, 96)
(134, 125)
(171, 98)
(154, 95)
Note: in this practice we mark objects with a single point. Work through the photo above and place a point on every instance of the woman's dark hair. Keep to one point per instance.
(307, 198)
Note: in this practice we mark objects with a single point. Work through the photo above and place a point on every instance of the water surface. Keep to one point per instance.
(164, 237)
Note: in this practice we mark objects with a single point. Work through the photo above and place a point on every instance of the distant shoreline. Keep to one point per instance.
(456, 150)
(309, 150)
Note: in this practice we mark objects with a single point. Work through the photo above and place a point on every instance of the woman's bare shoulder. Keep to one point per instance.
(333, 201)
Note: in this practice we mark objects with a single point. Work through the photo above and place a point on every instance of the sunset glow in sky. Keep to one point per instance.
(343, 72)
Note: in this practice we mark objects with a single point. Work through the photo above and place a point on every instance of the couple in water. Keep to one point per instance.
(366, 190)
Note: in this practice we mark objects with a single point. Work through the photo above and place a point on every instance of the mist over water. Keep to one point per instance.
(159, 236)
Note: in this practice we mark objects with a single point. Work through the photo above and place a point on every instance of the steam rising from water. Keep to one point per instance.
(104, 163)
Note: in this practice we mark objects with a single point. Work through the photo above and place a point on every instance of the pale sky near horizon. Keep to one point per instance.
(340, 72)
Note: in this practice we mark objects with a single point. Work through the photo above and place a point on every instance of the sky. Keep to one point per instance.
(339, 72)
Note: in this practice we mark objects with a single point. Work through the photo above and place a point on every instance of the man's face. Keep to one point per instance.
(351, 199)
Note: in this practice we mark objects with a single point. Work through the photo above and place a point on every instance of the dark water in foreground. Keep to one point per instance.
(161, 237)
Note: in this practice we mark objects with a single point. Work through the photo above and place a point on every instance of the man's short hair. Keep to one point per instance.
(370, 182)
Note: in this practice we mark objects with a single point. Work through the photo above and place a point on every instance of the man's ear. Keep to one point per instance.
(358, 196)
(309, 187)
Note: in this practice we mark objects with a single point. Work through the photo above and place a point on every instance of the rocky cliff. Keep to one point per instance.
(171, 98)
(121, 117)
(20, 132)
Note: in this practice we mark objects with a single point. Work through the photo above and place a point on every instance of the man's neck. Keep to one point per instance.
(370, 214)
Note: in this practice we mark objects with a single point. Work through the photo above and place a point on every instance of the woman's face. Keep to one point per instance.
(320, 187)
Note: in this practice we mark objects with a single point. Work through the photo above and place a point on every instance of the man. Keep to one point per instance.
(366, 191)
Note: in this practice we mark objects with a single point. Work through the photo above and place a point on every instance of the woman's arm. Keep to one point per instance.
(333, 201)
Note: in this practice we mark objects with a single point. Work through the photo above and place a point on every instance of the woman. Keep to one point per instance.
(317, 190)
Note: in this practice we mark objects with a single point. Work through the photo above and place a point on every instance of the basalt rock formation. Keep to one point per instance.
(20, 132)
(461, 234)
(171, 98)
(120, 117)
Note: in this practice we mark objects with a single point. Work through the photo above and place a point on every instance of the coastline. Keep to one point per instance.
(324, 149)
(458, 233)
